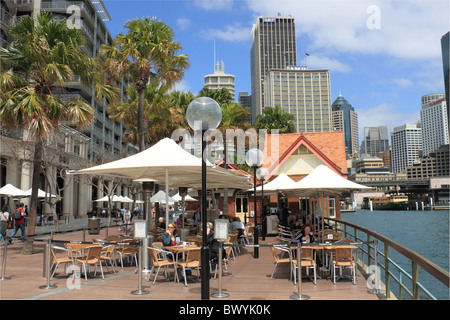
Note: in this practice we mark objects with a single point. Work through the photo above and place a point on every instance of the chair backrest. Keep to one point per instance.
(93, 252)
(228, 252)
(343, 254)
(193, 256)
(157, 244)
(153, 253)
(276, 254)
(109, 250)
(307, 253)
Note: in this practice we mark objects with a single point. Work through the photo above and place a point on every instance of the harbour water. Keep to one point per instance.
(425, 232)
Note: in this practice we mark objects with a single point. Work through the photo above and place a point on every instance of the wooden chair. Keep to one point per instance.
(108, 254)
(56, 261)
(231, 241)
(130, 251)
(344, 259)
(92, 258)
(157, 261)
(193, 260)
(225, 260)
(307, 261)
(278, 258)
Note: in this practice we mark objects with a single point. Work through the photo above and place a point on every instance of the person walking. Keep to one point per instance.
(19, 221)
(4, 218)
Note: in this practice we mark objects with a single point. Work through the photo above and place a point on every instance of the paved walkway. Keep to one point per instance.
(248, 279)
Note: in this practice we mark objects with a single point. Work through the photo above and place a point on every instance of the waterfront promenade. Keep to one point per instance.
(249, 280)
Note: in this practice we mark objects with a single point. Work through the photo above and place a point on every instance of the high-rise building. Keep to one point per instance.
(219, 79)
(344, 118)
(433, 117)
(273, 46)
(376, 140)
(104, 138)
(246, 102)
(445, 47)
(406, 141)
(303, 93)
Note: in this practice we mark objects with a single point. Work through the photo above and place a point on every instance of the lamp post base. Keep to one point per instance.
(300, 297)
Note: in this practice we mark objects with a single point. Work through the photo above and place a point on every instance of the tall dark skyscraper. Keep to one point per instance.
(273, 46)
(445, 44)
(346, 119)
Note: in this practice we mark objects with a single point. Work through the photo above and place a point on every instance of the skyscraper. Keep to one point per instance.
(406, 141)
(344, 118)
(433, 117)
(273, 45)
(445, 47)
(303, 93)
(376, 140)
(219, 79)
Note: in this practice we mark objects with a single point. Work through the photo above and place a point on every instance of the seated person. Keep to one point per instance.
(238, 225)
(161, 224)
(305, 236)
(169, 238)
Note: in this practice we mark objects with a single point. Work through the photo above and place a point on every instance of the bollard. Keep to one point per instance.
(139, 291)
(299, 295)
(220, 294)
(47, 264)
(5, 250)
(377, 289)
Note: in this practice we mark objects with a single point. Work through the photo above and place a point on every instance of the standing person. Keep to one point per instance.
(4, 218)
(126, 219)
(19, 221)
(282, 215)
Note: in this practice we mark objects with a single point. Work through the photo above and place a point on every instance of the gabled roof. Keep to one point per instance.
(329, 147)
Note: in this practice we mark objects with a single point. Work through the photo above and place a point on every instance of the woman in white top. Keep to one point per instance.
(4, 217)
(127, 219)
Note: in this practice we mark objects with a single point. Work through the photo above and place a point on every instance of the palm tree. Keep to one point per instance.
(222, 96)
(44, 56)
(275, 118)
(145, 52)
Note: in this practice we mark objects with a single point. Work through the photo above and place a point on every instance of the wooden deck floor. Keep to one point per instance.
(249, 280)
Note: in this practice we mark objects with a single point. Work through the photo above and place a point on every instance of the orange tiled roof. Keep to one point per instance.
(329, 147)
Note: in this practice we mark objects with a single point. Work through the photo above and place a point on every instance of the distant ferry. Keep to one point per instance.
(394, 202)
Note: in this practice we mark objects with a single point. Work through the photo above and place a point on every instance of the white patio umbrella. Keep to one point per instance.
(321, 182)
(178, 198)
(280, 182)
(160, 197)
(127, 199)
(114, 198)
(41, 194)
(11, 191)
(170, 164)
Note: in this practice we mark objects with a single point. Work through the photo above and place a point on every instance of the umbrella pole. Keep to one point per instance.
(167, 197)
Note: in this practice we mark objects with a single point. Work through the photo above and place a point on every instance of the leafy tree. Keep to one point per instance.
(146, 52)
(275, 118)
(43, 58)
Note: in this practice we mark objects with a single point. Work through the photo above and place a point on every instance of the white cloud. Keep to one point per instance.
(214, 5)
(317, 62)
(234, 32)
(181, 86)
(402, 82)
(184, 23)
(404, 29)
(377, 116)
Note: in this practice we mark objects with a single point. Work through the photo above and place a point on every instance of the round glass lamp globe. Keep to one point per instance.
(204, 113)
(254, 157)
(262, 173)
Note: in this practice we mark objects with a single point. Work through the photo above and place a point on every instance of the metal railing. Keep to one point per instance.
(406, 282)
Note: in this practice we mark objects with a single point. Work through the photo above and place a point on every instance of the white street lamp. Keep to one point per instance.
(204, 114)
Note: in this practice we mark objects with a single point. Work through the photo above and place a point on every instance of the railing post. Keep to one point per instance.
(415, 280)
(387, 278)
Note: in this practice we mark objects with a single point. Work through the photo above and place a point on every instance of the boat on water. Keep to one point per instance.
(389, 202)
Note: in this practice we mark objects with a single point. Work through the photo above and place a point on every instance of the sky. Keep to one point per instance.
(383, 55)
